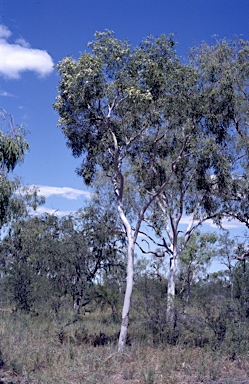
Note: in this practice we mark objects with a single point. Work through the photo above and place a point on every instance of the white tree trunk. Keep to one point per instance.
(129, 282)
(127, 299)
(171, 285)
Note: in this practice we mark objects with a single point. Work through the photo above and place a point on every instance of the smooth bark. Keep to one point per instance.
(128, 293)
(171, 285)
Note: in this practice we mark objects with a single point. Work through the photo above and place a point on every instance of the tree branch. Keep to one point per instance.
(242, 257)
(149, 251)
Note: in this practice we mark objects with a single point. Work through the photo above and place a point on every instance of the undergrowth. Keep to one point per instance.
(39, 349)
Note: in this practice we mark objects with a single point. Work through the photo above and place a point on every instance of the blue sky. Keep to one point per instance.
(35, 35)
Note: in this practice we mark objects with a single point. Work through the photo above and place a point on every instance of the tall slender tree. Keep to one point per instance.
(110, 102)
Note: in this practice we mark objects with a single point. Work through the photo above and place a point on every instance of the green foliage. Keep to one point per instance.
(12, 150)
(110, 92)
(195, 258)
(47, 260)
(13, 147)
(224, 70)
(240, 287)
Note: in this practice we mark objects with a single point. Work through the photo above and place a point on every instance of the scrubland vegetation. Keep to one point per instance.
(121, 291)
(204, 347)
(45, 338)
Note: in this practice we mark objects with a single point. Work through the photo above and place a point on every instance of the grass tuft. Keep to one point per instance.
(33, 353)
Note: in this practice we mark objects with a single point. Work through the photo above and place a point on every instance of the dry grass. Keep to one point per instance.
(33, 353)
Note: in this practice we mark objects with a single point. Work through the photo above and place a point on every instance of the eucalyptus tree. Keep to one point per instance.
(13, 147)
(224, 77)
(207, 125)
(161, 133)
(110, 101)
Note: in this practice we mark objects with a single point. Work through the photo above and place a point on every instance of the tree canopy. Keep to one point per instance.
(169, 135)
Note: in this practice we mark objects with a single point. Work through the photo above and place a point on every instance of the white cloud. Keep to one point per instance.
(6, 94)
(226, 223)
(19, 57)
(50, 211)
(22, 42)
(66, 192)
(185, 220)
(4, 32)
